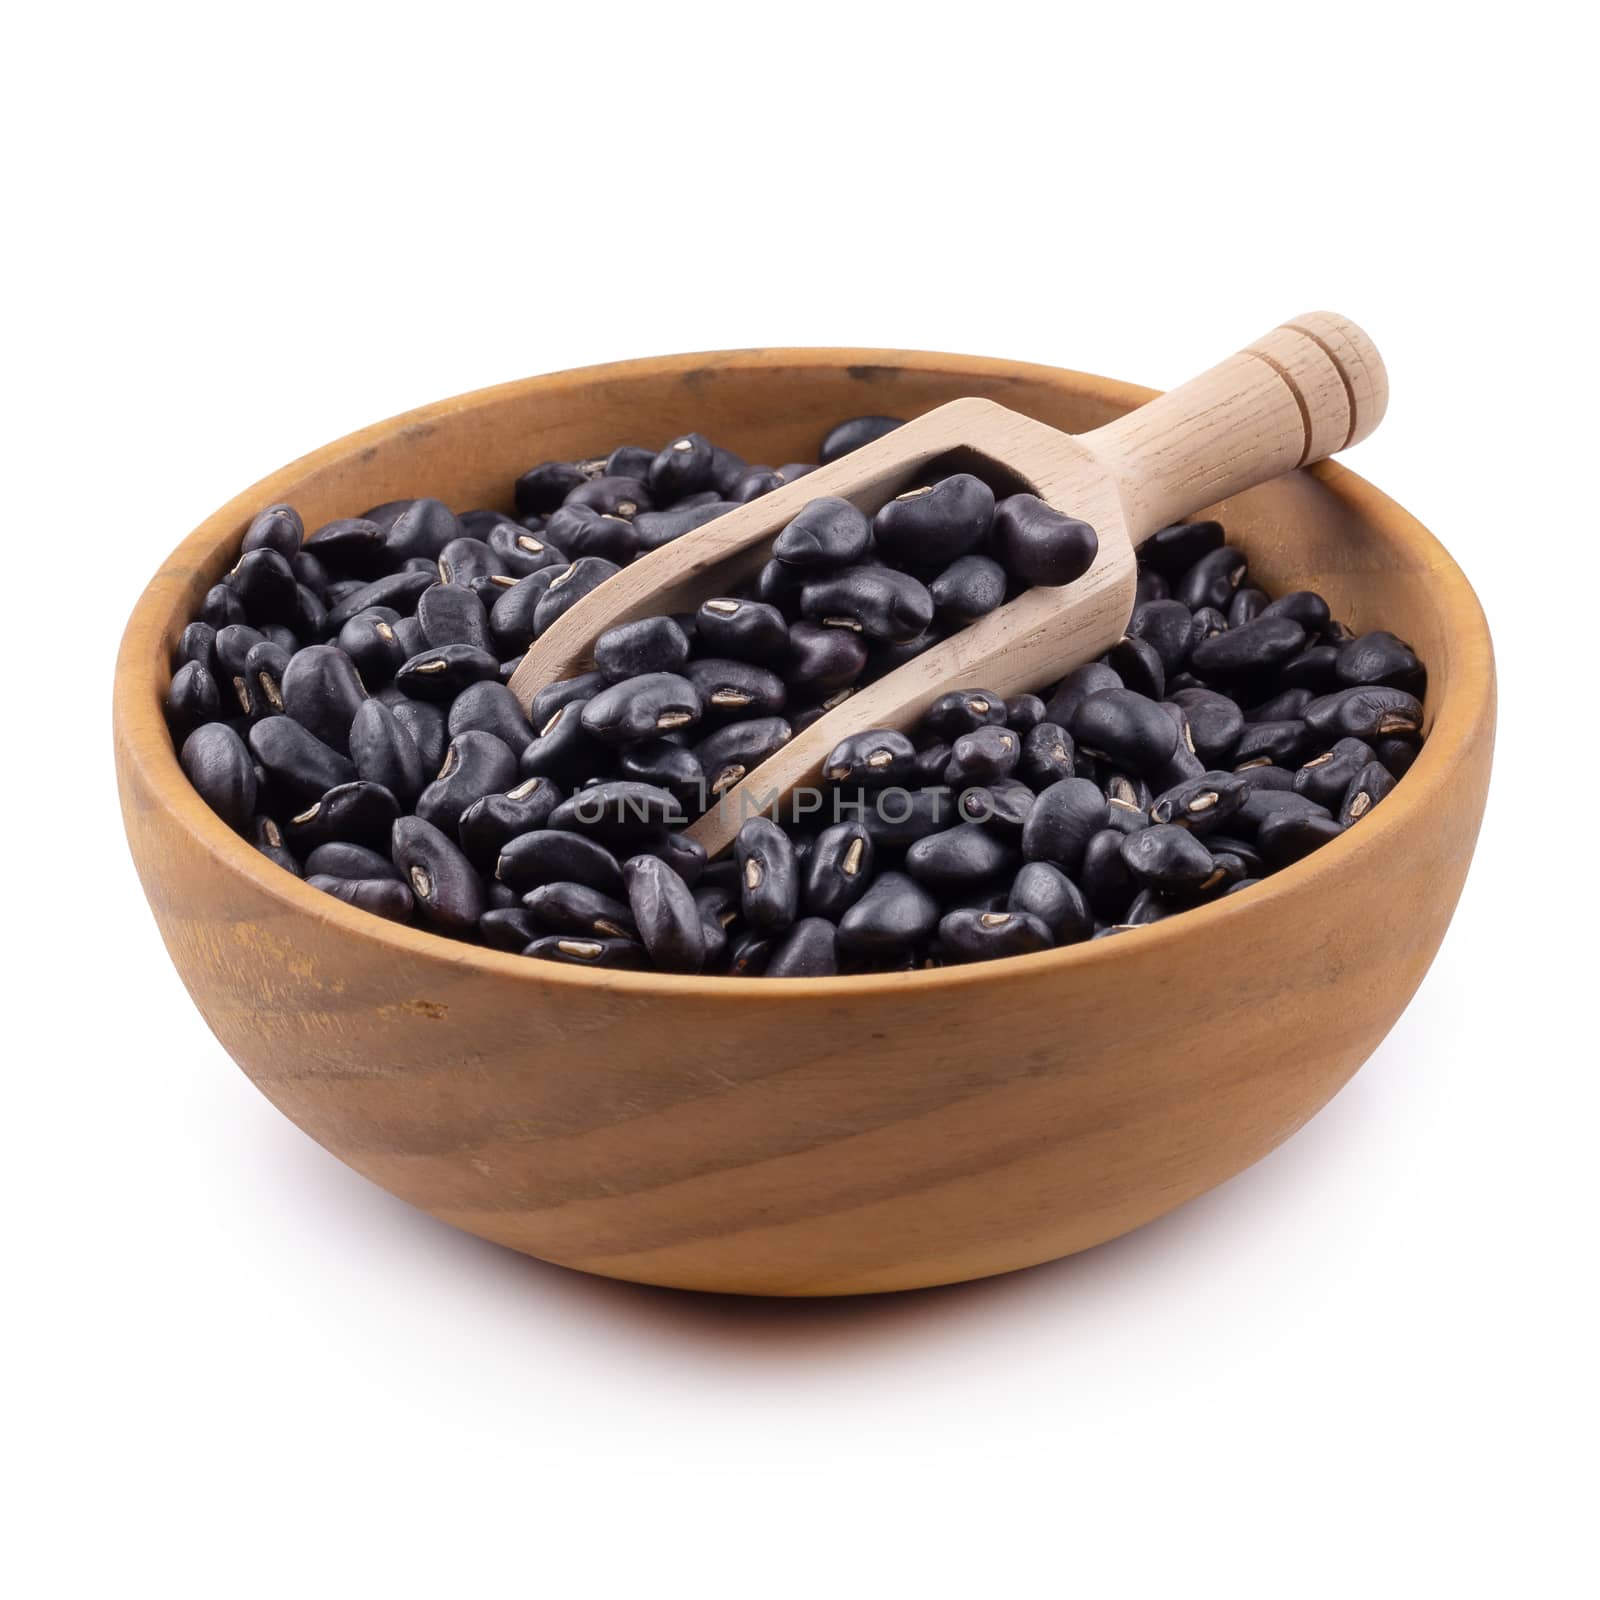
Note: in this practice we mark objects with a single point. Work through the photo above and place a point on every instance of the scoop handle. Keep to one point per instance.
(1313, 386)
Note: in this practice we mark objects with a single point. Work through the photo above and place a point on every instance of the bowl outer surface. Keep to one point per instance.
(822, 1136)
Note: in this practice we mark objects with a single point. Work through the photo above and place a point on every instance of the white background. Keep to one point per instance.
(234, 1368)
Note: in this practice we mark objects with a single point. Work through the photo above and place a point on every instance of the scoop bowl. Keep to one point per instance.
(817, 1136)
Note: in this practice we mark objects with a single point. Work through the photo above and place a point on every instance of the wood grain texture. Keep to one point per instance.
(821, 1136)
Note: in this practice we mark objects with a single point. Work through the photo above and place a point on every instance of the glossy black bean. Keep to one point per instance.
(1037, 544)
(265, 834)
(564, 750)
(928, 528)
(568, 587)
(341, 860)
(873, 758)
(681, 467)
(1215, 724)
(969, 588)
(1062, 821)
(1212, 579)
(1306, 606)
(426, 725)
(1107, 884)
(1174, 550)
(1313, 669)
(807, 950)
(1289, 706)
(465, 562)
(1365, 713)
(1367, 788)
(1379, 658)
(731, 753)
(358, 813)
(1286, 836)
(620, 955)
(1277, 744)
(983, 756)
(1127, 729)
(221, 607)
(643, 708)
(827, 533)
(508, 928)
(424, 528)
(544, 487)
(265, 582)
(727, 470)
(549, 855)
(961, 711)
(582, 530)
(198, 642)
(854, 432)
(475, 764)
(373, 646)
(1138, 665)
(399, 591)
(447, 888)
(578, 910)
(743, 630)
(383, 897)
(233, 645)
(961, 858)
(838, 870)
(1169, 858)
(1246, 605)
(618, 812)
(1395, 754)
(1063, 701)
(1005, 805)
(769, 875)
(1251, 650)
(349, 547)
(1042, 890)
(755, 483)
(974, 935)
(513, 617)
(1150, 586)
(650, 644)
(894, 916)
(1048, 755)
(1327, 776)
(490, 707)
(215, 760)
(823, 660)
(264, 668)
(278, 528)
(667, 766)
(409, 632)
(1167, 626)
(736, 688)
(490, 823)
(1024, 712)
(453, 615)
(880, 603)
(521, 551)
(300, 765)
(665, 915)
(1149, 905)
(192, 698)
(1201, 804)
(439, 673)
(684, 855)
(310, 573)
(1127, 801)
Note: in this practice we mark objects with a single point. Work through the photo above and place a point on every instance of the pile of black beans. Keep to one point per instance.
(342, 701)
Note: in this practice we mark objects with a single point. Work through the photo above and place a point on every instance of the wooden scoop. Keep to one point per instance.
(1310, 388)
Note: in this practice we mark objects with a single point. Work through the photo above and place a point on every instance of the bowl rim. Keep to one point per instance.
(146, 746)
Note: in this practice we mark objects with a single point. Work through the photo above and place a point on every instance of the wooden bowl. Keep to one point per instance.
(819, 1136)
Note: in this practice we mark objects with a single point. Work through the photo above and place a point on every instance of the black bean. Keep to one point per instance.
(1048, 755)
(545, 486)
(643, 708)
(780, 586)
(350, 546)
(1062, 821)
(838, 870)
(1064, 700)
(1127, 801)
(439, 673)
(1107, 883)
(854, 432)
(618, 811)
(233, 645)
(475, 764)
(616, 499)
(1278, 744)
(668, 766)
(1042, 890)
(651, 644)
(1215, 724)
(452, 615)
(896, 818)
(422, 529)
(1290, 706)
(564, 750)
(357, 813)
(1365, 713)
(264, 668)
(340, 860)
(1367, 788)
(1249, 651)
(192, 698)
(215, 760)
(1285, 836)
(736, 688)
(1201, 804)
(1246, 605)
(1126, 729)
(552, 856)
(521, 551)
(983, 756)
(744, 630)
(1174, 550)
(492, 822)
(373, 646)
(426, 725)
(961, 711)
(827, 533)
(1024, 712)
(1168, 858)
(1327, 776)
(1380, 658)
(569, 586)
(970, 587)
(1212, 579)
(890, 919)
(1396, 754)
(299, 763)
(748, 956)
(383, 897)
(615, 954)
(874, 758)
(553, 696)
(1006, 804)
(265, 834)
(490, 708)
(960, 858)
(1312, 669)
(448, 891)
(808, 950)
(880, 603)
(278, 528)
(686, 857)
(1167, 626)
(265, 582)
(990, 935)
(221, 607)
(1306, 606)
(823, 660)
(1139, 667)
(576, 909)
(665, 915)
(732, 753)
(399, 592)
(928, 528)
(581, 530)
(508, 928)
(1037, 544)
